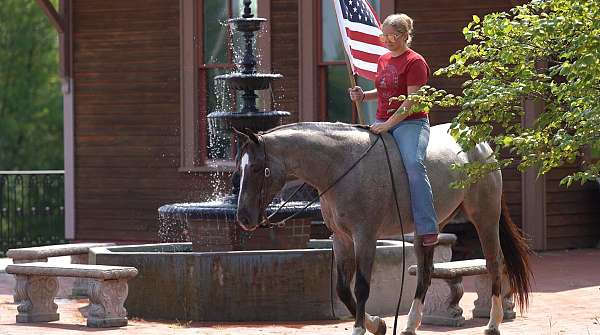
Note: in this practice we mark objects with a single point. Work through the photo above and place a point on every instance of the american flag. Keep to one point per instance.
(360, 31)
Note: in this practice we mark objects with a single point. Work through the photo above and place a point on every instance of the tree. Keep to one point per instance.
(546, 50)
(30, 97)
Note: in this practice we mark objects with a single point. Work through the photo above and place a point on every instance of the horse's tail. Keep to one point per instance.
(516, 257)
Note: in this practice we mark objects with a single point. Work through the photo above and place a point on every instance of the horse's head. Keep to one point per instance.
(262, 176)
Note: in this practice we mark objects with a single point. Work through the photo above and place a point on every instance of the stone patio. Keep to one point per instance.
(566, 300)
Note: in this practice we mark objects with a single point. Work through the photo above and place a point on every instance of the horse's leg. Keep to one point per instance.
(343, 251)
(345, 265)
(424, 270)
(483, 210)
(364, 250)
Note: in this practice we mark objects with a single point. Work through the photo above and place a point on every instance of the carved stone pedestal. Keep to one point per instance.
(106, 303)
(36, 294)
(483, 304)
(441, 303)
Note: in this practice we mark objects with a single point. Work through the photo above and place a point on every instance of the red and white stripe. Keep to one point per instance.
(361, 42)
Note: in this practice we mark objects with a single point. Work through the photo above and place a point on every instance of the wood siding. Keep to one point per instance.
(438, 34)
(285, 55)
(572, 214)
(127, 118)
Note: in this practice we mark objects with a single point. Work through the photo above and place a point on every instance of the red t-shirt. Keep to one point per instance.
(394, 75)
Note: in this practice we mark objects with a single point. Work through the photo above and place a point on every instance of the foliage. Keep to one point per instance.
(546, 51)
(30, 96)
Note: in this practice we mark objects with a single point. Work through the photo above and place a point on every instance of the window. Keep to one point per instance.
(332, 73)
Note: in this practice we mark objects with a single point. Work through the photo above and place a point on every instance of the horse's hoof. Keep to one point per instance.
(407, 332)
(491, 332)
(382, 328)
(358, 331)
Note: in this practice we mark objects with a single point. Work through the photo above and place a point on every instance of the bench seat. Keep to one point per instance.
(448, 277)
(44, 252)
(79, 253)
(37, 285)
(105, 272)
(450, 270)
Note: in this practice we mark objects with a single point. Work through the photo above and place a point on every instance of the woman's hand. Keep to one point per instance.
(379, 128)
(356, 93)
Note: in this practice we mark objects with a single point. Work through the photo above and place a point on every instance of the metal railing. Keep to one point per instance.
(31, 208)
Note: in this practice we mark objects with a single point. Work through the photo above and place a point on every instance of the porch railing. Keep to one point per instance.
(31, 208)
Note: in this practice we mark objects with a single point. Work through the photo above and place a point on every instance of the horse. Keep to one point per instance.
(360, 207)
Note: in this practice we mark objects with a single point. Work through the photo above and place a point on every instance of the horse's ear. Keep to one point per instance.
(247, 133)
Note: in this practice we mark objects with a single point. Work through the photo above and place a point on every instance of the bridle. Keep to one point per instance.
(265, 183)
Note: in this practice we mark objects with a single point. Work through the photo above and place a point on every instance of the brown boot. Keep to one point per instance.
(430, 240)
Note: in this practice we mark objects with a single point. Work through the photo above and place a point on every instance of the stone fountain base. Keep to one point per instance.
(222, 235)
(176, 283)
(210, 226)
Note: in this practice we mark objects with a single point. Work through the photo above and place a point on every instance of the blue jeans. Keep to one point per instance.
(412, 138)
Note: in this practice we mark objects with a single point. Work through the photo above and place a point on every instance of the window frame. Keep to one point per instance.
(312, 100)
(193, 106)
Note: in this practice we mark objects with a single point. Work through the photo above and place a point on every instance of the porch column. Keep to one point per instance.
(308, 61)
(533, 189)
(61, 21)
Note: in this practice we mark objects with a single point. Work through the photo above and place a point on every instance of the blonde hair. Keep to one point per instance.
(402, 23)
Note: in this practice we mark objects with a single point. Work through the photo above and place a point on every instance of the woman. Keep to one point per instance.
(402, 71)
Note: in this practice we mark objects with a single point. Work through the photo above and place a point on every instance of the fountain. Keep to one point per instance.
(227, 274)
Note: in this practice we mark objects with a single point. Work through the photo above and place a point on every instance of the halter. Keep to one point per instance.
(264, 185)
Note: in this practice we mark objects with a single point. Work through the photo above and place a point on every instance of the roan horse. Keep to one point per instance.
(360, 208)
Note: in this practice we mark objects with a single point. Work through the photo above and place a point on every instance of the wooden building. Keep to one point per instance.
(137, 83)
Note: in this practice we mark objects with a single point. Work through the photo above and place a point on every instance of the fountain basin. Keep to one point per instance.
(260, 121)
(211, 226)
(274, 285)
(244, 24)
(254, 81)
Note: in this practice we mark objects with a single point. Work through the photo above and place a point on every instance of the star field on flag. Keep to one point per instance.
(359, 27)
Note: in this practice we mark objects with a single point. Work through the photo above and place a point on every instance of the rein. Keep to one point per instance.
(281, 223)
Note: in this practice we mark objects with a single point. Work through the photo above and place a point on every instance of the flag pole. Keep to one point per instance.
(359, 109)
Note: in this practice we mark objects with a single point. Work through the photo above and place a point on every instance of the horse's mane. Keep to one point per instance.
(321, 127)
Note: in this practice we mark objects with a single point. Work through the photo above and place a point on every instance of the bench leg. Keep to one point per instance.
(106, 303)
(483, 302)
(37, 303)
(441, 304)
(16, 297)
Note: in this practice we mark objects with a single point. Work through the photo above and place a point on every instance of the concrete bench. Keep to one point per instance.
(77, 251)
(37, 284)
(442, 304)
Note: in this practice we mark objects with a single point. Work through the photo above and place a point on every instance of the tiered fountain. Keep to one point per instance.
(225, 274)
(210, 225)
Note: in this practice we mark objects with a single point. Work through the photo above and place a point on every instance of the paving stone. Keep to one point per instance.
(565, 301)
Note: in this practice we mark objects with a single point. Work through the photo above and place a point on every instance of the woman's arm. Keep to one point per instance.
(357, 94)
(398, 116)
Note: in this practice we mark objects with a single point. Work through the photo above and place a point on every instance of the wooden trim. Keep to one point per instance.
(331, 62)
(212, 65)
(533, 188)
(66, 60)
(202, 85)
(264, 45)
(388, 7)
(190, 156)
(307, 58)
(52, 15)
